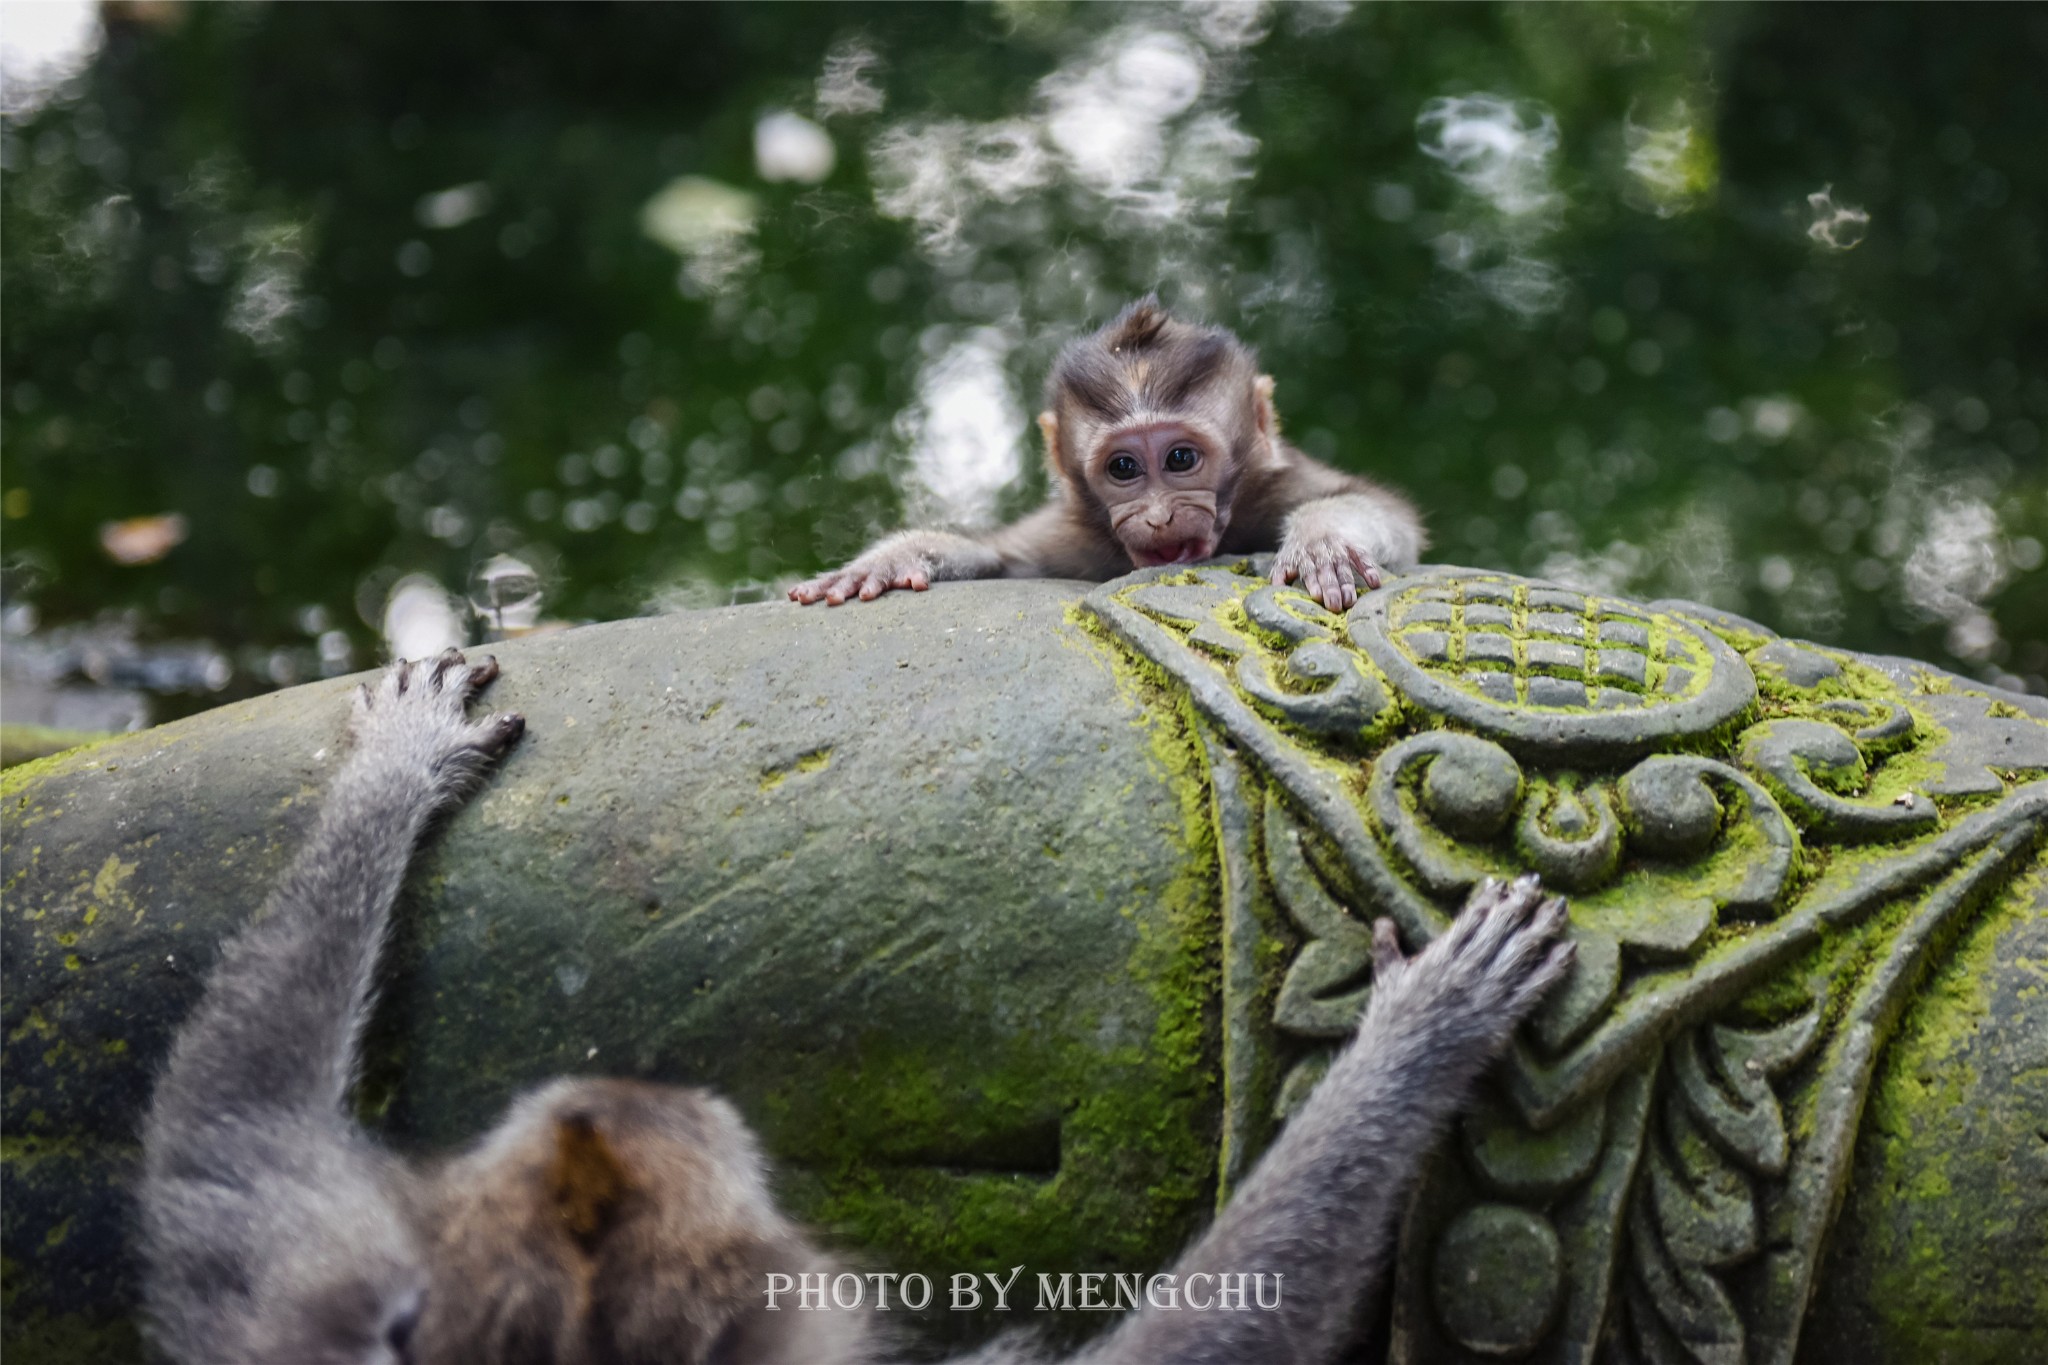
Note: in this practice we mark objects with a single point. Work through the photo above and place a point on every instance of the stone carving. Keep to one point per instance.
(1768, 845)
(1016, 929)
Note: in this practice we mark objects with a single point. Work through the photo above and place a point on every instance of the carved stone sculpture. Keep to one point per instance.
(1017, 927)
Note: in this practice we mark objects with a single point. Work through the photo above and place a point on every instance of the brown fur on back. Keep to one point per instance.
(609, 1221)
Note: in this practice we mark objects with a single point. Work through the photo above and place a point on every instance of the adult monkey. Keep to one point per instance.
(1163, 448)
(610, 1222)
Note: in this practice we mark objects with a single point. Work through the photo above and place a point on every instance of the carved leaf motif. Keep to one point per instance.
(1469, 789)
(1705, 1206)
(1571, 836)
(1696, 1213)
(1798, 756)
(1730, 1093)
(1187, 604)
(1348, 700)
(1339, 947)
(1289, 613)
(1680, 1313)
(1697, 1236)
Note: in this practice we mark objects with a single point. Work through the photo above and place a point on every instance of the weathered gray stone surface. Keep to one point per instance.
(1016, 929)
(900, 879)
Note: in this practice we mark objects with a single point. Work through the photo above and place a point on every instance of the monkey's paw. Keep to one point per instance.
(868, 577)
(413, 725)
(1483, 975)
(1329, 565)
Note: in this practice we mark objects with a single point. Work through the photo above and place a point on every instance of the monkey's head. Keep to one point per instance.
(618, 1222)
(360, 1320)
(1151, 425)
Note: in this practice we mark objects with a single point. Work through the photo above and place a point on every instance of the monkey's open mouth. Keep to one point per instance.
(1187, 552)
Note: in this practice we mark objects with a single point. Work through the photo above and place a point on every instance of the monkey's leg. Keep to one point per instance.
(270, 1226)
(1320, 1208)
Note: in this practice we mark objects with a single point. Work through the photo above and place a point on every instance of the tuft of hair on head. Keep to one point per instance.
(1137, 328)
(586, 1178)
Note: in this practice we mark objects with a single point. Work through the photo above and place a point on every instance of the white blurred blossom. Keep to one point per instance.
(267, 294)
(454, 206)
(1671, 158)
(1108, 115)
(1958, 563)
(963, 430)
(844, 88)
(790, 147)
(1838, 227)
(42, 45)
(1503, 154)
(709, 224)
(421, 619)
(1502, 151)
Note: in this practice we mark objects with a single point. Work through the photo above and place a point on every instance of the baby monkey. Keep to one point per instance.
(611, 1222)
(1163, 448)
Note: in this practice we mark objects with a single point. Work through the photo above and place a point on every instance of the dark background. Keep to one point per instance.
(1613, 350)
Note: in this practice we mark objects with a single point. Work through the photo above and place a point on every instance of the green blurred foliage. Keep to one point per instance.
(365, 290)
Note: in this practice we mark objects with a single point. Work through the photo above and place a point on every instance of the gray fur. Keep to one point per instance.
(272, 1228)
(1319, 1208)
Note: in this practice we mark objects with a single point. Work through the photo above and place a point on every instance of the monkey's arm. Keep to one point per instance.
(1319, 1209)
(256, 1184)
(1045, 544)
(1334, 530)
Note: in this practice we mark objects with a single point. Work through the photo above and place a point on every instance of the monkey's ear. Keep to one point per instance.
(1266, 415)
(1262, 404)
(1049, 430)
(586, 1179)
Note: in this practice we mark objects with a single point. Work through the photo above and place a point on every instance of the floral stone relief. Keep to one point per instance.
(1768, 846)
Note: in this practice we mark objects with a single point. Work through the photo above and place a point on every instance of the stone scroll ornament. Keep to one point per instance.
(1768, 847)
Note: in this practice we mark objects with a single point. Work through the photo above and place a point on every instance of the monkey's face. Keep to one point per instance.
(1164, 489)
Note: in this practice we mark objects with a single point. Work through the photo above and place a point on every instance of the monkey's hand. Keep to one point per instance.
(909, 559)
(1319, 1209)
(1478, 979)
(1323, 549)
(412, 734)
(1333, 544)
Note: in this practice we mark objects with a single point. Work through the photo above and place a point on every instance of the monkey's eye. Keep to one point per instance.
(1181, 459)
(1124, 468)
(398, 1333)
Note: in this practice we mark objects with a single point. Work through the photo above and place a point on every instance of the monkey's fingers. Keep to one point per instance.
(817, 589)
(466, 679)
(483, 673)
(493, 735)
(454, 675)
(1339, 590)
(1367, 569)
(1555, 967)
(840, 586)
(1512, 909)
(1522, 948)
(1491, 913)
